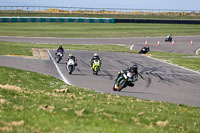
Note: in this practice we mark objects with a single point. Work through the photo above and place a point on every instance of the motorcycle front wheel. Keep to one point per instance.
(70, 69)
(95, 71)
(122, 85)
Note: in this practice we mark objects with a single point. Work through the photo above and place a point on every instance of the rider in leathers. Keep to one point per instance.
(95, 57)
(73, 58)
(60, 49)
(169, 37)
(134, 70)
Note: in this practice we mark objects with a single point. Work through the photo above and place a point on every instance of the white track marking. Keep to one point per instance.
(62, 76)
(173, 64)
(197, 52)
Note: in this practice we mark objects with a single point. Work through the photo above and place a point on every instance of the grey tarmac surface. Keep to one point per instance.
(182, 44)
(158, 81)
(45, 67)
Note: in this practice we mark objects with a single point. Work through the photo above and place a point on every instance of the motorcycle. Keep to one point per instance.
(70, 66)
(144, 50)
(96, 66)
(168, 39)
(59, 56)
(123, 81)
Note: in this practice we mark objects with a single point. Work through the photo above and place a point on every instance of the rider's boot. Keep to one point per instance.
(131, 84)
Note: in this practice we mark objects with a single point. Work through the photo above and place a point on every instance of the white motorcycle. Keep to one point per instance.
(70, 66)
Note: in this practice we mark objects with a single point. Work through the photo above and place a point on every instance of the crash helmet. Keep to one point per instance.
(134, 68)
(70, 55)
(95, 54)
(60, 46)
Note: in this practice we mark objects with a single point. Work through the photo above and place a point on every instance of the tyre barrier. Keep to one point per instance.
(157, 21)
(57, 19)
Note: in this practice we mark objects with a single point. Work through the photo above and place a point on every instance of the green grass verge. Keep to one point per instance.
(187, 61)
(28, 14)
(95, 30)
(31, 104)
(13, 48)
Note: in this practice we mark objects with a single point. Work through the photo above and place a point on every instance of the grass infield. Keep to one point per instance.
(95, 30)
(32, 102)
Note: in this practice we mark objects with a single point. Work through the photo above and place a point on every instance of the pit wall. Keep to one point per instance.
(57, 19)
(93, 20)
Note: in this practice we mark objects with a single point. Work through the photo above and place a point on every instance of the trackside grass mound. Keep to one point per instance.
(31, 102)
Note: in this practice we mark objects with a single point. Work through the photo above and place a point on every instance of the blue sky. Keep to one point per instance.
(135, 4)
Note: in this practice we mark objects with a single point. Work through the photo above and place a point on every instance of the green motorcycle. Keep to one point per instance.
(123, 81)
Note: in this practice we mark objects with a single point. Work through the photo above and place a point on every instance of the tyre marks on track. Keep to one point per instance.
(157, 80)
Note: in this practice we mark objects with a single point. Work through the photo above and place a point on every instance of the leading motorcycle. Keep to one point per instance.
(168, 38)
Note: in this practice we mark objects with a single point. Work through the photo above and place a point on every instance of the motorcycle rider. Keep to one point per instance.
(95, 57)
(60, 49)
(134, 70)
(73, 58)
(169, 37)
(144, 50)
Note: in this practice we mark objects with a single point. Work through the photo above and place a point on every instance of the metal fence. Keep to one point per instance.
(82, 10)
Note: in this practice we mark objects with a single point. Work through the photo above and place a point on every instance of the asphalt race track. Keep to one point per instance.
(182, 44)
(158, 81)
(45, 67)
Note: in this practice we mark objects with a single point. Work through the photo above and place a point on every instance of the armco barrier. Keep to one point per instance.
(57, 19)
(157, 21)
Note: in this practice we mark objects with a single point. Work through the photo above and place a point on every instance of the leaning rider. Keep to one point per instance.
(134, 70)
(60, 49)
(169, 36)
(73, 58)
(95, 57)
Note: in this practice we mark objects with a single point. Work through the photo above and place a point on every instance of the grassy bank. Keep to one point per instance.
(88, 30)
(31, 102)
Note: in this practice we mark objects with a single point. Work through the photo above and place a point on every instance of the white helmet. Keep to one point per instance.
(95, 54)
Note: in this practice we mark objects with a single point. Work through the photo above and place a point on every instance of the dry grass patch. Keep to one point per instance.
(46, 108)
(10, 87)
(9, 126)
